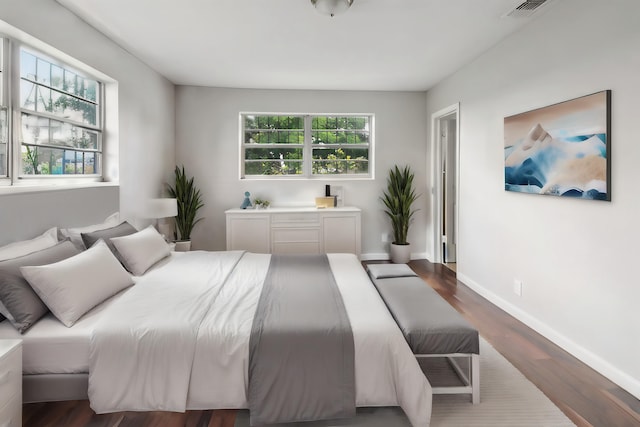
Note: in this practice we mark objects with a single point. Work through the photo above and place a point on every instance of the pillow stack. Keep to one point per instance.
(72, 287)
(19, 303)
(41, 275)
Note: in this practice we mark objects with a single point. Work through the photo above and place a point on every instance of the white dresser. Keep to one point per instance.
(10, 383)
(294, 230)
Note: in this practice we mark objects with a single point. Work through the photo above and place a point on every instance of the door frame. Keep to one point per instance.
(436, 177)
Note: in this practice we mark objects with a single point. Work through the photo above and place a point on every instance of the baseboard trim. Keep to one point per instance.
(594, 361)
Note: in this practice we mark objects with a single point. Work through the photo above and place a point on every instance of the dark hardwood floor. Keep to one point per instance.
(585, 396)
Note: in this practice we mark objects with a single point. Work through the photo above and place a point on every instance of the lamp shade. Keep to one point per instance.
(162, 208)
(332, 7)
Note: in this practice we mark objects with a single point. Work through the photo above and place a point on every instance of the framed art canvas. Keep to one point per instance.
(561, 150)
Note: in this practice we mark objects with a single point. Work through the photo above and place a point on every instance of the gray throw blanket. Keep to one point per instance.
(301, 351)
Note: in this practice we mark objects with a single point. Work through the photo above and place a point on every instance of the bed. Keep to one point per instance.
(179, 340)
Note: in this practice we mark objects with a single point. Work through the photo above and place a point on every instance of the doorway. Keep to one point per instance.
(445, 150)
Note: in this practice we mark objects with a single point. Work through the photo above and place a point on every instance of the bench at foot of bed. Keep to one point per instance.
(430, 325)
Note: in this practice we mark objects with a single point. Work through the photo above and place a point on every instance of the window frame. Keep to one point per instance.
(11, 80)
(4, 107)
(308, 147)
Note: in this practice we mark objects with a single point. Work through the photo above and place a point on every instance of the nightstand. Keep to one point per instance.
(11, 383)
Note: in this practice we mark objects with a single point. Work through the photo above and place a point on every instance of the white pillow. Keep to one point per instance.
(141, 250)
(75, 285)
(25, 247)
(75, 233)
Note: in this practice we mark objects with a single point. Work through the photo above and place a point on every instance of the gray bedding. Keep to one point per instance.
(301, 350)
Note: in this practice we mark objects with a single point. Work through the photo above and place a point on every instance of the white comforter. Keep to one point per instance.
(179, 339)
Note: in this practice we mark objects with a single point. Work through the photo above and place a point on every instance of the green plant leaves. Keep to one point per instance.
(189, 201)
(398, 198)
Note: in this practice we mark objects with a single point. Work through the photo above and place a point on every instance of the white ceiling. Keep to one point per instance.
(285, 44)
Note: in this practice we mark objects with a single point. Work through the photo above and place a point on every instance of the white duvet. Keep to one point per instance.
(179, 339)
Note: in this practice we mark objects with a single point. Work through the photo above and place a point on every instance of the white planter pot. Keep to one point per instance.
(400, 254)
(183, 246)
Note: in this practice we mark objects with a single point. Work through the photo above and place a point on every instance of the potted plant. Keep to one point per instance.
(189, 202)
(398, 199)
(261, 204)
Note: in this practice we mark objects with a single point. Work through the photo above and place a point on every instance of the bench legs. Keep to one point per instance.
(470, 376)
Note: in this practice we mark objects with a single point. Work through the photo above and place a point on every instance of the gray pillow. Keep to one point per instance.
(385, 271)
(123, 229)
(23, 307)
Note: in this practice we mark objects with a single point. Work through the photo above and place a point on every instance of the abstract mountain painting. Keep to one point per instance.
(561, 150)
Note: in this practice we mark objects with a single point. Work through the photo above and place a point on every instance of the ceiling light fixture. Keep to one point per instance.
(332, 7)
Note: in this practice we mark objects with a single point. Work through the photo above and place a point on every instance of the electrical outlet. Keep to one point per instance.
(517, 287)
(385, 238)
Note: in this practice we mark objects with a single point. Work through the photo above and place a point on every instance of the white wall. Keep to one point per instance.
(576, 257)
(145, 111)
(207, 143)
(26, 215)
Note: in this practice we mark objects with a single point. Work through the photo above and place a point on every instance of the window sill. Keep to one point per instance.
(22, 188)
(345, 177)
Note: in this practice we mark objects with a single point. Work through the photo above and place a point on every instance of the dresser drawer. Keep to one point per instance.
(281, 235)
(11, 413)
(10, 376)
(297, 218)
(292, 248)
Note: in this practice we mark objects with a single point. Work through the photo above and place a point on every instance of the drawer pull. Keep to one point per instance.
(5, 377)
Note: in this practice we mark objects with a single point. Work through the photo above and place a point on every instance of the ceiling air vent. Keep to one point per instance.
(526, 9)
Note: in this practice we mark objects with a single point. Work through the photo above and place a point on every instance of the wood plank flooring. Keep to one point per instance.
(585, 396)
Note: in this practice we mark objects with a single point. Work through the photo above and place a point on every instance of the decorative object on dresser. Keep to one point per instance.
(246, 202)
(189, 201)
(11, 383)
(398, 199)
(261, 203)
(294, 230)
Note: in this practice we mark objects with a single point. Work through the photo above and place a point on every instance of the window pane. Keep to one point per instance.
(340, 161)
(27, 65)
(35, 130)
(57, 76)
(43, 99)
(40, 130)
(274, 137)
(57, 161)
(340, 130)
(27, 95)
(65, 134)
(4, 139)
(250, 122)
(273, 167)
(273, 161)
(43, 72)
(273, 153)
(73, 108)
(91, 90)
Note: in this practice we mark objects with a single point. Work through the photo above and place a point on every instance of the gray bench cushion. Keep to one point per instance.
(428, 322)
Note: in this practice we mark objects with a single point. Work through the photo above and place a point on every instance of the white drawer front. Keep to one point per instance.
(11, 413)
(11, 376)
(296, 248)
(295, 217)
(281, 235)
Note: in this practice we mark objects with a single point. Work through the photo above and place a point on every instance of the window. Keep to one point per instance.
(51, 117)
(4, 116)
(303, 145)
(60, 120)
